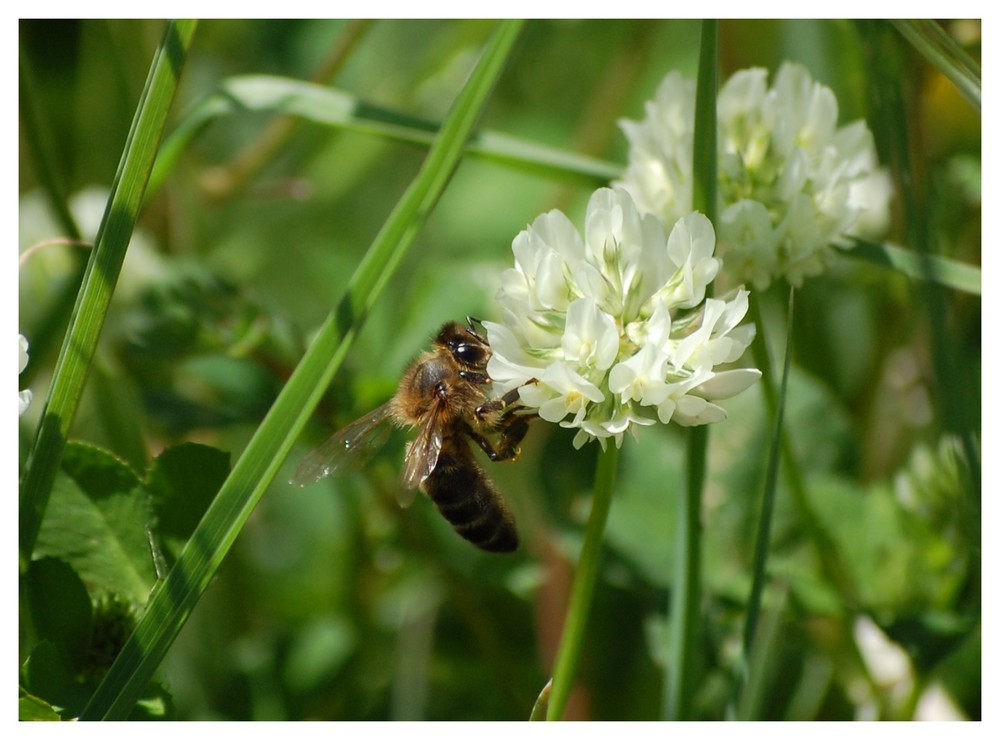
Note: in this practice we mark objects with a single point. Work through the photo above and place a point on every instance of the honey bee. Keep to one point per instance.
(443, 393)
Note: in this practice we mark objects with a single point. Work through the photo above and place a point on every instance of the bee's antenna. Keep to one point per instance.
(476, 327)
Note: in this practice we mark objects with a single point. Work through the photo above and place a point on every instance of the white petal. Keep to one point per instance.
(22, 357)
(640, 377)
(695, 411)
(591, 337)
(509, 366)
(743, 93)
(692, 239)
(728, 383)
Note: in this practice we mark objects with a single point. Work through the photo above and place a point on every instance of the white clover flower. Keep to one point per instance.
(22, 362)
(790, 182)
(609, 331)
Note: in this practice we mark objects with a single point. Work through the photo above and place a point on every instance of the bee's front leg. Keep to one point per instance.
(474, 377)
(508, 399)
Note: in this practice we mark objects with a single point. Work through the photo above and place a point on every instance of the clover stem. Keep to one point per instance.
(582, 594)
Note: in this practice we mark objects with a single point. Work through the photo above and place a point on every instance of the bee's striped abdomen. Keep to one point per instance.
(467, 498)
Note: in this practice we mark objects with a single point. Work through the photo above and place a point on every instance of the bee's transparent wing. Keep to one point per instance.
(348, 450)
(421, 458)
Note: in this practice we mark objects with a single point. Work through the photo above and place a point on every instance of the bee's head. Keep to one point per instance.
(464, 344)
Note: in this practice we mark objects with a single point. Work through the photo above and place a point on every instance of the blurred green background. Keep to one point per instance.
(336, 604)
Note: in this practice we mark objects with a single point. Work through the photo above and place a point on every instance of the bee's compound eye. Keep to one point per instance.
(470, 354)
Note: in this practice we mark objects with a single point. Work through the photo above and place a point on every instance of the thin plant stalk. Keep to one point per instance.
(830, 563)
(766, 515)
(574, 630)
(826, 551)
(686, 591)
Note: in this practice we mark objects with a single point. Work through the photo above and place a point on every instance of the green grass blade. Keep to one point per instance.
(747, 703)
(686, 593)
(950, 59)
(940, 270)
(540, 710)
(330, 107)
(171, 604)
(99, 280)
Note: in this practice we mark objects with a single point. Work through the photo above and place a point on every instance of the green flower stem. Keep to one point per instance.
(826, 550)
(764, 523)
(686, 592)
(583, 584)
(685, 596)
(705, 183)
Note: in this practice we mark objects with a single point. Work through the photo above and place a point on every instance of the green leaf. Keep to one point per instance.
(918, 566)
(46, 675)
(113, 236)
(32, 709)
(98, 521)
(182, 482)
(59, 608)
(930, 637)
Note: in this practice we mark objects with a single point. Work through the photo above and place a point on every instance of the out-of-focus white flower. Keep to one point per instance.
(791, 183)
(22, 362)
(613, 326)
